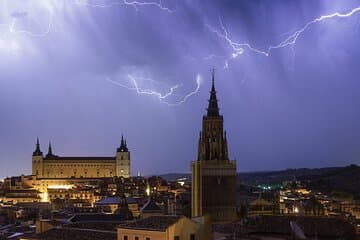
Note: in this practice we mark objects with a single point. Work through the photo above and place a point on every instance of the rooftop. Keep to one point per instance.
(97, 217)
(79, 158)
(131, 200)
(151, 207)
(109, 200)
(74, 234)
(153, 223)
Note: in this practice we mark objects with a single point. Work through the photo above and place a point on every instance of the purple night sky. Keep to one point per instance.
(79, 73)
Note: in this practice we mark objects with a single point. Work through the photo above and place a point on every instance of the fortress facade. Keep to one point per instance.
(52, 166)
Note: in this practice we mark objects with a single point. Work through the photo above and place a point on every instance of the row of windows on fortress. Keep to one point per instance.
(98, 174)
(80, 165)
(81, 170)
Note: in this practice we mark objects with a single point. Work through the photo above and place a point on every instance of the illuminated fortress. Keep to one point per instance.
(59, 167)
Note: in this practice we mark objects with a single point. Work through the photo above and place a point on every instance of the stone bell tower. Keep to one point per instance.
(213, 174)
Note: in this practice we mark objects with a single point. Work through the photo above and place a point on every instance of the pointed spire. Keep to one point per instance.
(123, 145)
(50, 150)
(213, 79)
(213, 109)
(50, 153)
(37, 151)
(122, 140)
(126, 148)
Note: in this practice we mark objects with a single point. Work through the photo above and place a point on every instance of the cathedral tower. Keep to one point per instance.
(213, 174)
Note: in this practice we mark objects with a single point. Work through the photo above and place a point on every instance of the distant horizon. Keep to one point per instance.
(238, 172)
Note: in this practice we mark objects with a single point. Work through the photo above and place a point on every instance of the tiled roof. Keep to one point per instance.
(151, 207)
(97, 217)
(104, 226)
(131, 200)
(260, 202)
(75, 234)
(109, 200)
(153, 223)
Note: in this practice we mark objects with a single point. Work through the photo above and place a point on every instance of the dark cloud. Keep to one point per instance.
(295, 108)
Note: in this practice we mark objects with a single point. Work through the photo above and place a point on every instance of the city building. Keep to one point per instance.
(53, 166)
(22, 196)
(164, 228)
(109, 204)
(260, 207)
(213, 174)
(151, 208)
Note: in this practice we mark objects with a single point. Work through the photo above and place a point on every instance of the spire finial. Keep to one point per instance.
(37, 151)
(50, 149)
(213, 109)
(213, 78)
(50, 153)
(123, 145)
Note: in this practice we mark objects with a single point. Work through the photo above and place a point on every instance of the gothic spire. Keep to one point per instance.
(50, 153)
(37, 151)
(213, 80)
(123, 145)
(213, 109)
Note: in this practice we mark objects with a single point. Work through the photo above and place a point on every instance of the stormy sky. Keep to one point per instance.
(80, 73)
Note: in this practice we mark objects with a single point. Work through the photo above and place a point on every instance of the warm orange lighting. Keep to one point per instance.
(296, 210)
(60, 187)
(44, 197)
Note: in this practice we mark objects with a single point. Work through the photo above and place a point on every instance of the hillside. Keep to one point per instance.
(345, 179)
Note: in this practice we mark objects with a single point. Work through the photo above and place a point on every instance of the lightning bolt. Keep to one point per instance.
(239, 48)
(160, 96)
(13, 46)
(12, 29)
(198, 82)
(134, 4)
